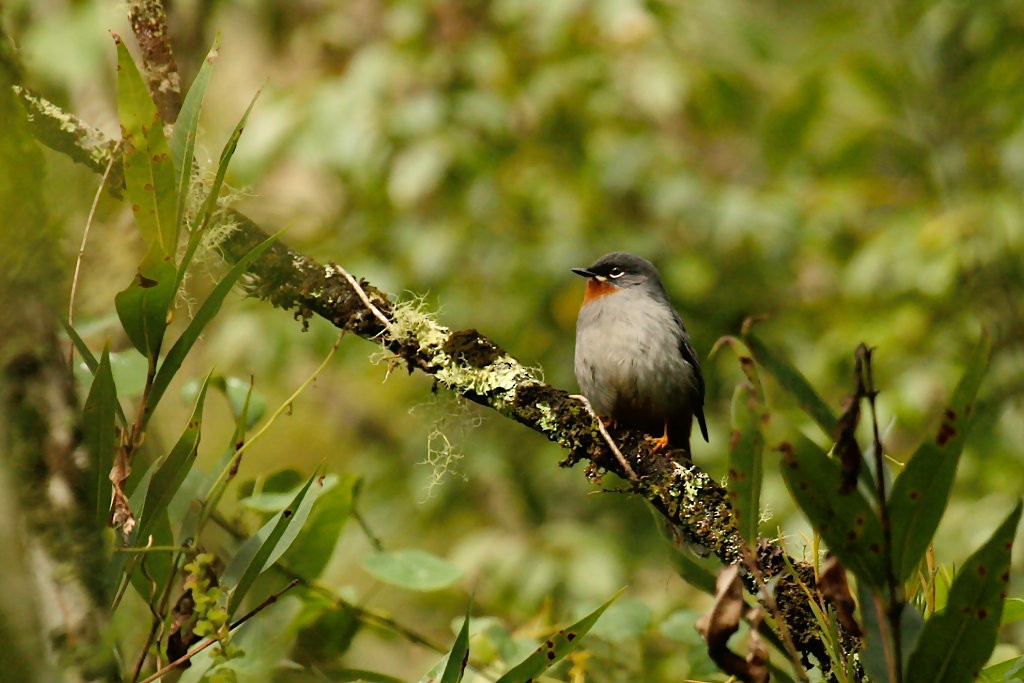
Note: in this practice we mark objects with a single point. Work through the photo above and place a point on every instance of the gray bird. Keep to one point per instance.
(634, 360)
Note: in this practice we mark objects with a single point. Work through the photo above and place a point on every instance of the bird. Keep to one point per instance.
(634, 360)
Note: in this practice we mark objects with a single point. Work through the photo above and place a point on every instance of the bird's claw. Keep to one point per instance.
(658, 443)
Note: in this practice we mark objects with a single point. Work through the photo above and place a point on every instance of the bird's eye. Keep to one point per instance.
(616, 272)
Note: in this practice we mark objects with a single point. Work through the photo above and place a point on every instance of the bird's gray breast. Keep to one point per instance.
(628, 362)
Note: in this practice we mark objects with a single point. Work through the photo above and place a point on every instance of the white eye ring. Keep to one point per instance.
(615, 273)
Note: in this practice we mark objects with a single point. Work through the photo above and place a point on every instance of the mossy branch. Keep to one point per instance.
(467, 363)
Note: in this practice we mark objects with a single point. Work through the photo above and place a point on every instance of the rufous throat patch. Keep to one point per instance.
(596, 289)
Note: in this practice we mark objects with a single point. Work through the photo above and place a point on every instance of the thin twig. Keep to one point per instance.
(249, 615)
(81, 249)
(357, 288)
(894, 611)
(607, 437)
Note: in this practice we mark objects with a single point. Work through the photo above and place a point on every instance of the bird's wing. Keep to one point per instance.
(690, 356)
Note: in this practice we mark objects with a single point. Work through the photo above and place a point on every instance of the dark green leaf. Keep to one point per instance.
(745, 461)
(920, 493)
(169, 472)
(555, 648)
(957, 642)
(874, 623)
(847, 522)
(170, 365)
(148, 167)
(251, 559)
(416, 570)
(100, 434)
(455, 668)
(144, 305)
(313, 548)
(794, 382)
(183, 140)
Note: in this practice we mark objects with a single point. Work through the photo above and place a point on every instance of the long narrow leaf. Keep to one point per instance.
(172, 362)
(793, 381)
(209, 207)
(846, 521)
(957, 642)
(455, 668)
(556, 647)
(251, 559)
(99, 432)
(746, 450)
(91, 363)
(169, 472)
(921, 492)
(183, 141)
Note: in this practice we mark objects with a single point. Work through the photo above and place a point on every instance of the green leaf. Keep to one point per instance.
(211, 306)
(699, 573)
(170, 471)
(957, 642)
(875, 624)
(1013, 610)
(1009, 670)
(148, 167)
(794, 382)
(252, 558)
(100, 433)
(314, 546)
(186, 127)
(847, 522)
(242, 398)
(455, 668)
(556, 647)
(416, 570)
(745, 461)
(921, 492)
(92, 364)
(209, 207)
(144, 306)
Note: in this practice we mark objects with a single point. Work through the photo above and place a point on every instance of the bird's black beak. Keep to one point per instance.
(583, 272)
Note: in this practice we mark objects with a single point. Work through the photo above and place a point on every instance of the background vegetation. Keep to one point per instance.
(853, 171)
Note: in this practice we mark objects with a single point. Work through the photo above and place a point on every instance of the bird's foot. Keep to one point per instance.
(658, 443)
(610, 423)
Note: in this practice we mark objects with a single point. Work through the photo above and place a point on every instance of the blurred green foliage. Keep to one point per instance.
(854, 170)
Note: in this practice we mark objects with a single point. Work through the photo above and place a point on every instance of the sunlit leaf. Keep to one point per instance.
(148, 167)
(956, 642)
(920, 493)
(557, 646)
